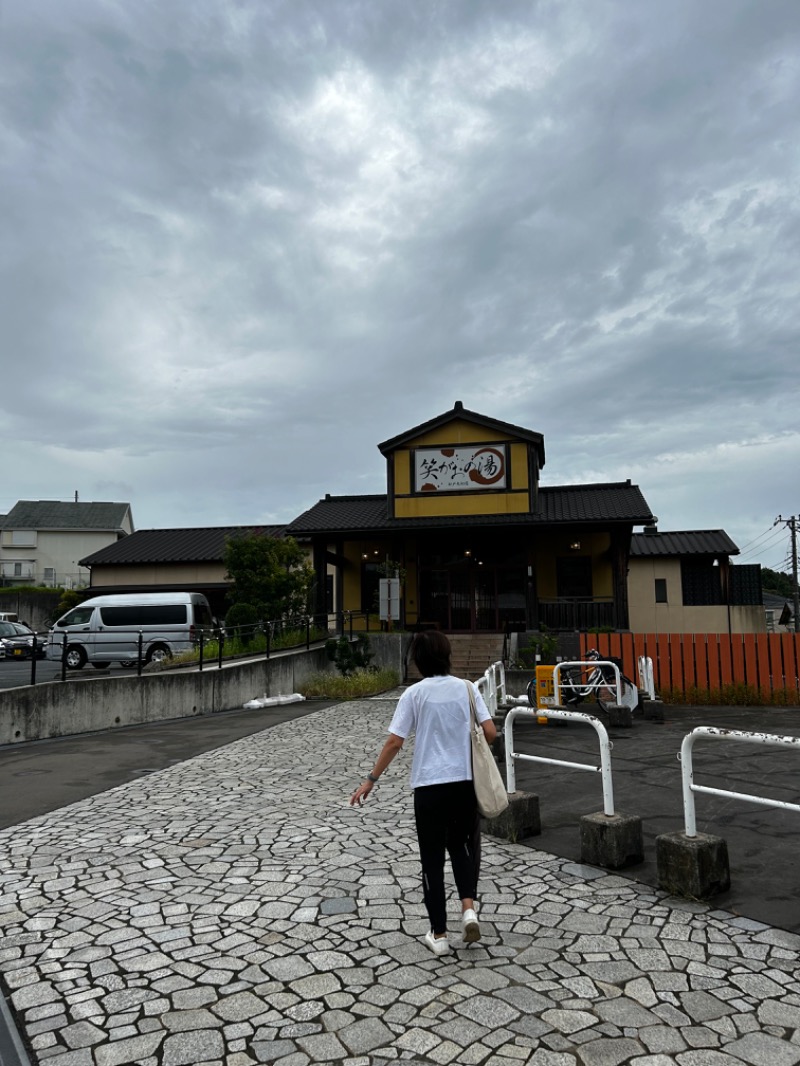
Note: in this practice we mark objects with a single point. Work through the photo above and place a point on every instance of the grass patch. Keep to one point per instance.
(739, 695)
(353, 687)
(235, 647)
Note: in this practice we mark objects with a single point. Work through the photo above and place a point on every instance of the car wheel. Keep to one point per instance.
(157, 654)
(76, 657)
(128, 664)
(101, 666)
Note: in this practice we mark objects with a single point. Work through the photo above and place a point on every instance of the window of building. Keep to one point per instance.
(50, 576)
(574, 577)
(661, 590)
(23, 538)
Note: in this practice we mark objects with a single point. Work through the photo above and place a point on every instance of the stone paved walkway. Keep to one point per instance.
(233, 910)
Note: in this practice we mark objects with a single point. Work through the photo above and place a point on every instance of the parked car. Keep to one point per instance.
(108, 629)
(16, 641)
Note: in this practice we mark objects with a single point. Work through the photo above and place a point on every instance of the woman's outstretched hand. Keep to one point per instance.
(360, 794)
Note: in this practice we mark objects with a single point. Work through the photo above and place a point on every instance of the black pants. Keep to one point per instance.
(447, 820)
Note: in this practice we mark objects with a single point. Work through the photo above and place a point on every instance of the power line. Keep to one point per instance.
(777, 535)
(791, 522)
(769, 529)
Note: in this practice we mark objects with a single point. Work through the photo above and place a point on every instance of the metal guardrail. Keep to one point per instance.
(492, 686)
(595, 680)
(687, 770)
(646, 677)
(604, 769)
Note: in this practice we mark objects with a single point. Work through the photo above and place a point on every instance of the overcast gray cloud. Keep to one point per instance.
(244, 242)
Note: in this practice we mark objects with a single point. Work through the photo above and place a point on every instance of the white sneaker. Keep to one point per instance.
(438, 945)
(469, 923)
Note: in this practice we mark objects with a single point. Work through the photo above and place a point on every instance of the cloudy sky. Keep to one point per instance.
(243, 241)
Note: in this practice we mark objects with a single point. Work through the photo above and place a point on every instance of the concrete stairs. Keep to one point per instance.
(472, 653)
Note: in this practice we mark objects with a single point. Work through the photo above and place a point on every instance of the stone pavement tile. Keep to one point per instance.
(208, 913)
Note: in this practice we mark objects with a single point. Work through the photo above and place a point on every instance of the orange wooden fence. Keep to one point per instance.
(769, 662)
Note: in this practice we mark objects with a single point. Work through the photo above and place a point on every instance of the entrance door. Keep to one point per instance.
(472, 598)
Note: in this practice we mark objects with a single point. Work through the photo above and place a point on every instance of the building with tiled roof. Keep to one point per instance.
(187, 559)
(482, 544)
(43, 541)
(684, 582)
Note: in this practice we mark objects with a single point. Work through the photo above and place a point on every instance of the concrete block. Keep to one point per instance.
(692, 867)
(611, 841)
(519, 820)
(653, 710)
(619, 715)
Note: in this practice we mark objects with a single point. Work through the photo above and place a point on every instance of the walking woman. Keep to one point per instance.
(437, 711)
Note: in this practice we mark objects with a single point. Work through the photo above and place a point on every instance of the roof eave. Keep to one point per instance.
(458, 411)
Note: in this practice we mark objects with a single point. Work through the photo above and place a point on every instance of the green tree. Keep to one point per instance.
(271, 573)
(776, 582)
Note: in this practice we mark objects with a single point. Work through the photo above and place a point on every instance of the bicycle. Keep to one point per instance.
(600, 681)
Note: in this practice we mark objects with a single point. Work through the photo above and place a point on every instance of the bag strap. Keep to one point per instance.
(472, 707)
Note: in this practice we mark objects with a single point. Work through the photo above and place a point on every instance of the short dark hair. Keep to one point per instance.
(431, 653)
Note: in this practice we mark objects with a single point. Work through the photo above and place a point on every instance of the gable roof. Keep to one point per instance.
(685, 542)
(618, 502)
(203, 544)
(55, 514)
(461, 413)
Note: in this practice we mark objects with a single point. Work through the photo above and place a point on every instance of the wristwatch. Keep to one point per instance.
(372, 778)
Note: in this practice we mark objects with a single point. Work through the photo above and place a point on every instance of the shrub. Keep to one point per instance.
(737, 695)
(241, 621)
(348, 655)
(544, 644)
(354, 686)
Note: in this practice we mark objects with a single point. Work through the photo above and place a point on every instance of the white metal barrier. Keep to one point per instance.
(687, 770)
(492, 686)
(604, 769)
(594, 681)
(646, 678)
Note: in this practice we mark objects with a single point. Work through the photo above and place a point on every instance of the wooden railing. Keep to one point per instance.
(709, 662)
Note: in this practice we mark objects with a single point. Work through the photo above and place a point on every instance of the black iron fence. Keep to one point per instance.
(203, 648)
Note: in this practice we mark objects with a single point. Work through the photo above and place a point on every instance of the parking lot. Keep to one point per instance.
(15, 673)
(762, 841)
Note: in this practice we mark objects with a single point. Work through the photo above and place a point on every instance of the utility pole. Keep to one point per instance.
(791, 522)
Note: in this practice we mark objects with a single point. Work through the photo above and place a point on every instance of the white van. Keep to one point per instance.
(106, 629)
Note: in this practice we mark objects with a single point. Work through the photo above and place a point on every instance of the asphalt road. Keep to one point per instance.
(763, 851)
(14, 673)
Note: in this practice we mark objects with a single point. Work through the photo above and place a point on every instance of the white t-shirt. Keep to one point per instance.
(436, 710)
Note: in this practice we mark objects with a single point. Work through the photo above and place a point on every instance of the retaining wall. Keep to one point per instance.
(85, 705)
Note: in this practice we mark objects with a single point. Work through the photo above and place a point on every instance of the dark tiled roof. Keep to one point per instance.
(458, 411)
(204, 544)
(775, 602)
(685, 542)
(53, 514)
(616, 502)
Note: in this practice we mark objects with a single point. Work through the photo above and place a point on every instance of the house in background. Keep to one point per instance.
(779, 613)
(42, 542)
(685, 582)
(153, 560)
